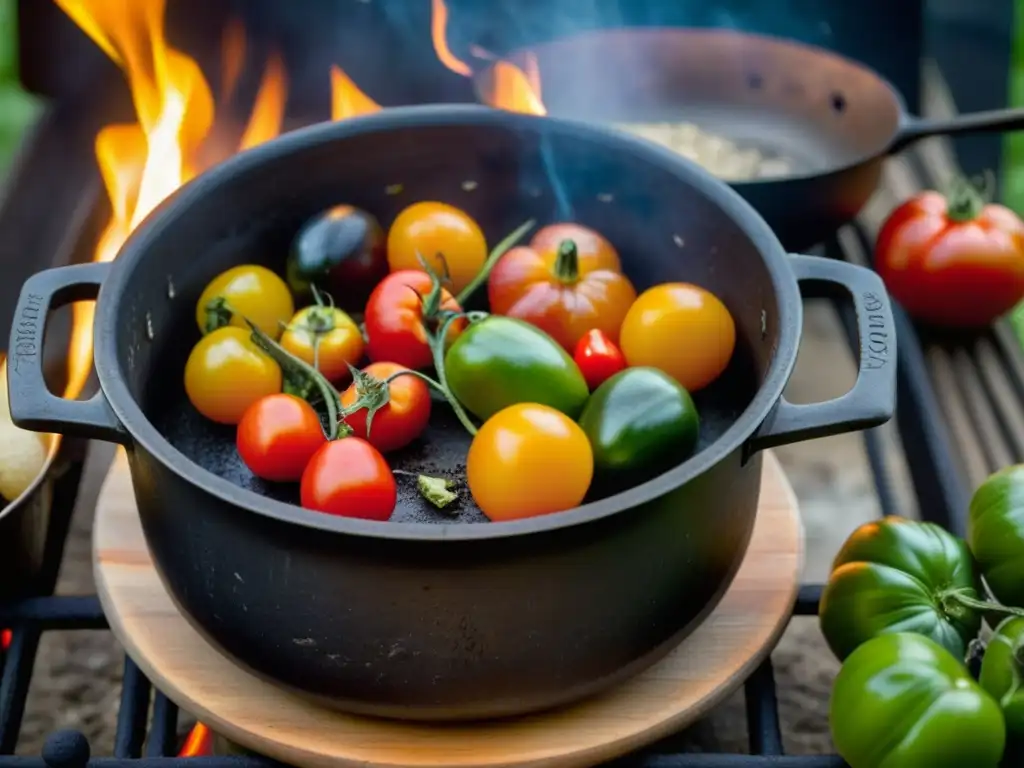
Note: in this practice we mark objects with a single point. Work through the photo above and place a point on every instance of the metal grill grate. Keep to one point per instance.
(977, 383)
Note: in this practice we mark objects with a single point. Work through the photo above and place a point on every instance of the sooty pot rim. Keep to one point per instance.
(162, 222)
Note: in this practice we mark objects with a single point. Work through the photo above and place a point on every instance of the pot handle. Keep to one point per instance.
(33, 406)
(872, 399)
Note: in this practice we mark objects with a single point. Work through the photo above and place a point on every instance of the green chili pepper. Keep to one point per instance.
(499, 361)
(902, 701)
(897, 575)
(640, 422)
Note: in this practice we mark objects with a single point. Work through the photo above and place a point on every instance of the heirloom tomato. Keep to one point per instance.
(528, 460)
(952, 261)
(898, 575)
(447, 239)
(278, 435)
(349, 478)
(226, 373)
(903, 701)
(402, 419)
(326, 338)
(681, 329)
(598, 358)
(246, 291)
(564, 288)
(395, 324)
(1002, 675)
(501, 361)
(995, 533)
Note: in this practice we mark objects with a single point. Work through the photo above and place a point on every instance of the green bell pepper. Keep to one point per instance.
(500, 361)
(640, 422)
(902, 701)
(1002, 675)
(995, 533)
(898, 575)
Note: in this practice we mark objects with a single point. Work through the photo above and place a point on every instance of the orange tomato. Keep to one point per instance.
(430, 229)
(326, 336)
(566, 287)
(404, 417)
(511, 459)
(681, 329)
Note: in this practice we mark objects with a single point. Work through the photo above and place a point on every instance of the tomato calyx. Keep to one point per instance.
(218, 314)
(372, 394)
(966, 198)
(439, 491)
(567, 263)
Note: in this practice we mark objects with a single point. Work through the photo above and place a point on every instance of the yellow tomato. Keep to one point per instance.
(528, 460)
(252, 291)
(432, 228)
(226, 373)
(682, 329)
(340, 342)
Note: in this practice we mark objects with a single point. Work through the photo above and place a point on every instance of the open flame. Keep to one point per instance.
(506, 86)
(142, 163)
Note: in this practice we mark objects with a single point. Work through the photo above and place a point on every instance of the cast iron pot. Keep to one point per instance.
(415, 619)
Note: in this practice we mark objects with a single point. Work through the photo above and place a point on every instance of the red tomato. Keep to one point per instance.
(598, 358)
(564, 287)
(399, 422)
(350, 478)
(954, 262)
(277, 435)
(394, 319)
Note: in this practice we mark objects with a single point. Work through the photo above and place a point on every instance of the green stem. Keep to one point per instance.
(218, 314)
(965, 199)
(961, 598)
(492, 259)
(290, 362)
(567, 262)
(437, 352)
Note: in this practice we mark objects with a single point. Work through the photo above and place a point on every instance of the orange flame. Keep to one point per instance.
(438, 33)
(233, 57)
(346, 98)
(199, 742)
(508, 87)
(142, 163)
(503, 85)
(268, 110)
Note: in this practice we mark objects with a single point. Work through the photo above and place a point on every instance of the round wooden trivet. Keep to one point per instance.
(678, 690)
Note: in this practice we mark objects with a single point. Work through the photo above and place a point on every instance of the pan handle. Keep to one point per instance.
(872, 399)
(916, 128)
(33, 406)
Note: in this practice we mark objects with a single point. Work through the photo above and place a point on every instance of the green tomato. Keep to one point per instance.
(898, 575)
(902, 701)
(1002, 675)
(640, 422)
(500, 361)
(995, 533)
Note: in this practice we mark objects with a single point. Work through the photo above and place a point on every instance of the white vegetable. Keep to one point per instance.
(22, 458)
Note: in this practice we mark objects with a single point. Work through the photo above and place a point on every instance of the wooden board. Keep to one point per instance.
(681, 688)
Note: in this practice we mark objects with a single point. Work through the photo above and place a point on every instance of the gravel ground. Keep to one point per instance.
(77, 674)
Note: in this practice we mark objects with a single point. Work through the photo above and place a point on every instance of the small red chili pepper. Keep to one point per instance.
(5, 639)
(598, 358)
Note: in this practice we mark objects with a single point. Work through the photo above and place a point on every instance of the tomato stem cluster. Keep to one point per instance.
(955, 598)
